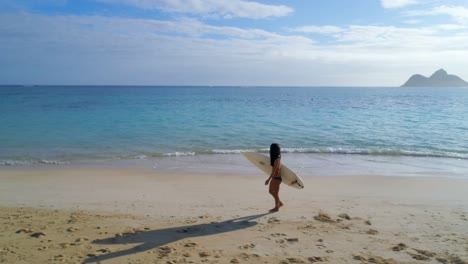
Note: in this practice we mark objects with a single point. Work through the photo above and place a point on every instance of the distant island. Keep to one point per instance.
(439, 78)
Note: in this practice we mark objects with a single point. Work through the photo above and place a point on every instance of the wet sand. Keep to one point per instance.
(137, 216)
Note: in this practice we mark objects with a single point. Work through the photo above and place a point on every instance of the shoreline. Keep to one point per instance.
(302, 163)
(128, 215)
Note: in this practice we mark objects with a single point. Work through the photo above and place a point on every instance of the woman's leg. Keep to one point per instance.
(277, 195)
(274, 189)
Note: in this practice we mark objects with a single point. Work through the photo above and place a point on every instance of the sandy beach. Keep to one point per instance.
(142, 216)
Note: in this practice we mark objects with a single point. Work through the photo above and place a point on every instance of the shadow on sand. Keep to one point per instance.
(156, 238)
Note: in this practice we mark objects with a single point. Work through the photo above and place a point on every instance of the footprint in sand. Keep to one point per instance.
(425, 252)
(374, 259)
(449, 259)
(277, 235)
(190, 244)
(292, 240)
(418, 256)
(247, 246)
(81, 239)
(273, 220)
(280, 241)
(317, 259)
(188, 230)
(399, 247)
(204, 254)
(72, 229)
(103, 250)
(23, 230)
(60, 257)
(165, 251)
(292, 260)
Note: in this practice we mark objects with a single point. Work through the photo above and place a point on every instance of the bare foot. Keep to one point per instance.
(274, 209)
(281, 204)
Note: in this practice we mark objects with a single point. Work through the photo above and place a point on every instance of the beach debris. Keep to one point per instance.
(367, 222)
(372, 232)
(234, 261)
(22, 230)
(323, 217)
(38, 234)
(344, 216)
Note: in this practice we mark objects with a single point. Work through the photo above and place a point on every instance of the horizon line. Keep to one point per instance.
(174, 85)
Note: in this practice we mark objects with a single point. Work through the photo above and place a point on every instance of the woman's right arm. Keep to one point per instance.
(276, 168)
(274, 171)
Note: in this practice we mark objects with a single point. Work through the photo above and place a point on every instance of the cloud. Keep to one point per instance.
(386, 35)
(397, 3)
(458, 13)
(66, 49)
(217, 8)
(412, 21)
(317, 29)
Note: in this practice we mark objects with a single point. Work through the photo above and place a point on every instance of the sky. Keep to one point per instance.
(231, 42)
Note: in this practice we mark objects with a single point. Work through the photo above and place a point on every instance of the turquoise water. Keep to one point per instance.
(54, 124)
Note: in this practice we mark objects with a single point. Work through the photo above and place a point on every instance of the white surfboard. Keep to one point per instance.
(263, 162)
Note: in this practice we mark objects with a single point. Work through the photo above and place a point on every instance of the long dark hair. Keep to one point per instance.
(275, 153)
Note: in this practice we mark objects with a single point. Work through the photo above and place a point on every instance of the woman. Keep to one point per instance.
(275, 177)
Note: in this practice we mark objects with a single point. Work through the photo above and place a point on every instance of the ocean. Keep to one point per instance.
(77, 124)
